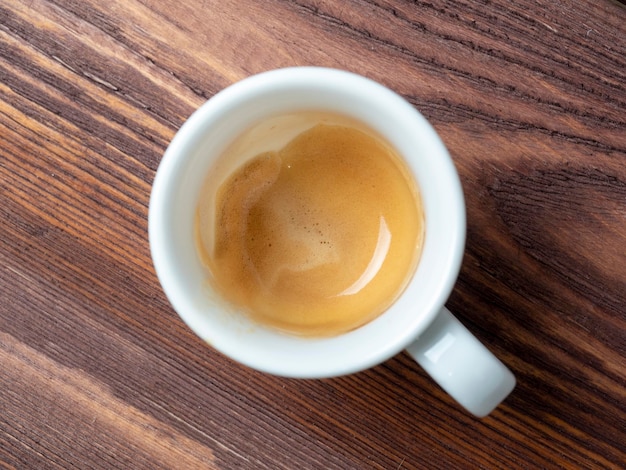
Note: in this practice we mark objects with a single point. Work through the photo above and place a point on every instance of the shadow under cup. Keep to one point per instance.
(212, 129)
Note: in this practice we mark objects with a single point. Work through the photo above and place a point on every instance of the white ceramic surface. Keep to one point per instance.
(210, 130)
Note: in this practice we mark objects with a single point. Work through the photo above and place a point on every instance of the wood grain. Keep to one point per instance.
(99, 372)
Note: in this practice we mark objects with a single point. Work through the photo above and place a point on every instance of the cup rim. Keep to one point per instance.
(274, 352)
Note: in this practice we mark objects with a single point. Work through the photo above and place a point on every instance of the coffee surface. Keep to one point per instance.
(317, 238)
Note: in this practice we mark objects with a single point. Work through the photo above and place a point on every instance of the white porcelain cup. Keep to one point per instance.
(417, 322)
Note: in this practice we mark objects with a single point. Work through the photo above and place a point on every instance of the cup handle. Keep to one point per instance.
(462, 365)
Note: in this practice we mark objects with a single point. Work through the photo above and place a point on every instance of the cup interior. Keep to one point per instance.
(211, 130)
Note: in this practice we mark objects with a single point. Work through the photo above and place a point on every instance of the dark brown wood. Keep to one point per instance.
(97, 371)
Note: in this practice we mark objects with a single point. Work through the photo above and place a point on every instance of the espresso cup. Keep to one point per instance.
(417, 321)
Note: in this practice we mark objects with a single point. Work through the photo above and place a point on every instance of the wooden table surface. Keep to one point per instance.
(98, 371)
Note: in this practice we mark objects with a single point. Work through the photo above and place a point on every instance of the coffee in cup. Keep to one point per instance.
(316, 230)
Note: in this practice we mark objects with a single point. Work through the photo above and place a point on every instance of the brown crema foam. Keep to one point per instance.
(316, 238)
